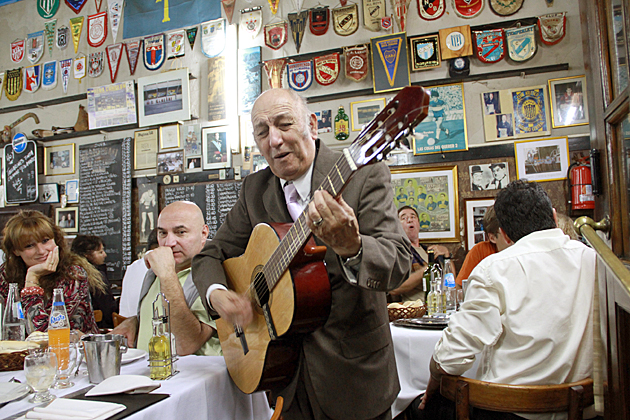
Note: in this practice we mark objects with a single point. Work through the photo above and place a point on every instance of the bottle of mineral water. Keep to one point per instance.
(13, 322)
(449, 296)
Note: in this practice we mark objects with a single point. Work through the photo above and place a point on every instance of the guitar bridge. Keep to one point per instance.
(269, 321)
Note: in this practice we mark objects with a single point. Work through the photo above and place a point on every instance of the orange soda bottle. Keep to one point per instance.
(59, 329)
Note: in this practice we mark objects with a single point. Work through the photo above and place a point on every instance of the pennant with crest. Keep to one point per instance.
(114, 54)
(373, 12)
(346, 19)
(49, 28)
(49, 75)
(133, 53)
(431, 9)
(506, 7)
(115, 9)
(154, 52)
(191, 34)
(64, 73)
(96, 64)
(13, 83)
(300, 75)
(17, 50)
(35, 46)
(327, 69)
(275, 72)
(79, 67)
(63, 35)
(552, 27)
(76, 5)
(213, 37)
(297, 21)
(176, 47)
(32, 78)
(357, 62)
(490, 45)
(468, 8)
(319, 19)
(401, 7)
(425, 52)
(386, 23)
(97, 29)
(251, 21)
(521, 43)
(273, 5)
(388, 50)
(276, 34)
(76, 27)
(47, 8)
(228, 8)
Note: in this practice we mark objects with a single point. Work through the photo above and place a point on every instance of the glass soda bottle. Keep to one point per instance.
(13, 322)
(434, 300)
(59, 330)
(448, 289)
(342, 126)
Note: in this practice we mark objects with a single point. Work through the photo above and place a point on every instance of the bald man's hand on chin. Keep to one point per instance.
(161, 261)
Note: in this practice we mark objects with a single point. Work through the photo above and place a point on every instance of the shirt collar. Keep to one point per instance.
(302, 184)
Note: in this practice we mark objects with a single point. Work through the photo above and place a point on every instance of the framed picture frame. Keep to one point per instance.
(72, 190)
(190, 134)
(59, 160)
(215, 147)
(362, 112)
(568, 101)
(490, 176)
(324, 121)
(433, 192)
(542, 160)
(475, 211)
(390, 62)
(425, 52)
(163, 98)
(67, 219)
(171, 162)
(193, 163)
(111, 105)
(145, 148)
(49, 193)
(169, 137)
(258, 162)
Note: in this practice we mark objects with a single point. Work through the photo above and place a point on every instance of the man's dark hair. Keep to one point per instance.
(84, 245)
(523, 207)
(408, 207)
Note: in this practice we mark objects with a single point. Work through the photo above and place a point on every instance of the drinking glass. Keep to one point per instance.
(40, 370)
(65, 369)
(460, 297)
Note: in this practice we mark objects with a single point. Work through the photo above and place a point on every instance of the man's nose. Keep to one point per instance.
(169, 240)
(275, 137)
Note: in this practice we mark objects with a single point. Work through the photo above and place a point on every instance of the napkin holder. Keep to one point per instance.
(162, 349)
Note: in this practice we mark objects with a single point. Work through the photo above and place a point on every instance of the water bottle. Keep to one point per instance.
(13, 322)
(448, 289)
(59, 329)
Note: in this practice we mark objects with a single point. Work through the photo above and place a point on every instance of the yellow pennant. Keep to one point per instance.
(273, 5)
(76, 26)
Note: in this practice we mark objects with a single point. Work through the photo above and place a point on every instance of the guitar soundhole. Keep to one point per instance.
(260, 287)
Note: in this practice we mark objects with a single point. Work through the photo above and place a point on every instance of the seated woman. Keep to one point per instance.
(38, 260)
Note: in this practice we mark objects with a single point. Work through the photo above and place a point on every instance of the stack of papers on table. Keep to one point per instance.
(64, 409)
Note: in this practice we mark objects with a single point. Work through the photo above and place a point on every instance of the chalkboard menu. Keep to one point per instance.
(215, 199)
(105, 201)
(20, 172)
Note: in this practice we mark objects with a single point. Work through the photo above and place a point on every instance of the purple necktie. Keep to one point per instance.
(291, 197)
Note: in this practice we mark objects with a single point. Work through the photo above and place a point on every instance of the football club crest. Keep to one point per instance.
(32, 78)
(276, 34)
(213, 37)
(468, 8)
(346, 19)
(133, 52)
(373, 12)
(79, 67)
(552, 27)
(431, 9)
(95, 67)
(176, 44)
(490, 45)
(64, 73)
(97, 29)
(273, 5)
(153, 52)
(47, 8)
(76, 27)
(455, 42)
(251, 21)
(521, 43)
(17, 50)
(529, 111)
(386, 23)
(49, 28)
(506, 7)
(400, 12)
(191, 34)
(297, 21)
(389, 52)
(114, 54)
(425, 52)
(319, 18)
(63, 33)
(76, 5)
(13, 83)
(115, 9)
(228, 8)
(300, 75)
(275, 72)
(357, 59)
(327, 69)
(35, 46)
(49, 76)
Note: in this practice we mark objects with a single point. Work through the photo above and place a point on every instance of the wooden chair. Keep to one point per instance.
(466, 393)
(277, 412)
(117, 319)
(98, 315)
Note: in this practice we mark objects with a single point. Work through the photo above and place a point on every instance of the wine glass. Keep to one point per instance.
(68, 363)
(460, 297)
(40, 370)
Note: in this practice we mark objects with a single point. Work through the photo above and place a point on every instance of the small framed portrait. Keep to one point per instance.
(59, 160)
(364, 111)
(491, 103)
(324, 121)
(504, 126)
(193, 163)
(145, 147)
(493, 176)
(67, 219)
(475, 211)
(170, 162)
(568, 101)
(72, 190)
(542, 160)
(169, 137)
(191, 136)
(216, 151)
(49, 193)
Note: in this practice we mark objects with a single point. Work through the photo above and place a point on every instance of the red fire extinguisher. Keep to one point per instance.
(582, 197)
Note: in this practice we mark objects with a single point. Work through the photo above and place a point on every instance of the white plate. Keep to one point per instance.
(132, 355)
(10, 391)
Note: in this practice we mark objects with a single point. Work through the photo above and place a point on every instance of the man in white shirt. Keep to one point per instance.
(528, 309)
(132, 282)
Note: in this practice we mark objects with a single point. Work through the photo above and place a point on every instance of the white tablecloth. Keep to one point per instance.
(201, 390)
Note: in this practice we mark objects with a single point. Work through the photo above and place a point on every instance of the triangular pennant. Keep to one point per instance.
(76, 26)
(115, 9)
(63, 35)
(401, 7)
(228, 8)
(49, 27)
(96, 63)
(273, 5)
(35, 46)
(79, 67)
(13, 83)
(133, 52)
(298, 25)
(213, 37)
(64, 73)
(191, 34)
(17, 50)
(98, 4)
(114, 54)
(49, 75)
(154, 52)
(251, 21)
(97, 29)
(47, 8)
(32, 78)
(175, 44)
(76, 5)
(389, 52)
(276, 34)
(275, 72)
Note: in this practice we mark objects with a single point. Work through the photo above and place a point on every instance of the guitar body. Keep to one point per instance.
(299, 303)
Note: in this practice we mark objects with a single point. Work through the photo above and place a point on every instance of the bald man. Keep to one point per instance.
(182, 234)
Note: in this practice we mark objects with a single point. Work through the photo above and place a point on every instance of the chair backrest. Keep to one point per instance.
(117, 319)
(466, 393)
(98, 315)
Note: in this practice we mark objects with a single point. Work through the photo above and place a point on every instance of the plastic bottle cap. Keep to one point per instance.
(58, 303)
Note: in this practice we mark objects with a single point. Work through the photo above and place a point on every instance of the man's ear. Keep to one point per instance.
(312, 126)
(506, 238)
(555, 216)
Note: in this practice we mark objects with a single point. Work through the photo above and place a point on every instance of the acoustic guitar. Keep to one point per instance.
(282, 269)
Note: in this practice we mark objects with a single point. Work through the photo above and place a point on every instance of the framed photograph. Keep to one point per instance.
(216, 151)
(147, 209)
(390, 65)
(72, 190)
(111, 105)
(145, 148)
(492, 176)
(193, 164)
(475, 211)
(542, 160)
(433, 193)
(59, 160)
(362, 112)
(425, 52)
(324, 121)
(164, 98)
(258, 162)
(49, 193)
(169, 137)
(67, 219)
(491, 103)
(170, 162)
(568, 101)
(191, 134)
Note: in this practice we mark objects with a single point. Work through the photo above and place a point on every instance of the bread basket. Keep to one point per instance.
(406, 310)
(12, 361)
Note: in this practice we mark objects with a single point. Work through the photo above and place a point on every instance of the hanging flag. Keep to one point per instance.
(373, 12)
(213, 37)
(35, 46)
(49, 75)
(228, 8)
(96, 64)
(506, 7)
(251, 21)
(63, 33)
(275, 72)
(13, 83)
(300, 75)
(97, 29)
(47, 8)
(386, 22)
(273, 5)
(98, 4)
(276, 34)
(521, 43)
(32, 77)
(17, 50)
(346, 19)
(191, 34)
(401, 7)
(490, 45)
(431, 9)
(552, 27)
(297, 21)
(468, 8)
(76, 26)
(175, 42)
(327, 69)
(357, 59)
(64, 73)
(79, 67)
(154, 52)
(115, 9)
(76, 5)
(114, 54)
(49, 28)
(133, 52)
(320, 16)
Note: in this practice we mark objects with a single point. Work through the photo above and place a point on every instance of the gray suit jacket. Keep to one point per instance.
(350, 359)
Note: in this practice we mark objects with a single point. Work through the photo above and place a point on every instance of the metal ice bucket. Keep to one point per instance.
(103, 355)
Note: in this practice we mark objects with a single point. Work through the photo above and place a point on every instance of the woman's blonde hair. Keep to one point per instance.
(29, 226)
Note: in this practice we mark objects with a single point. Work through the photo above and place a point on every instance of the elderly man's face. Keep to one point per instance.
(409, 221)
(283, 134)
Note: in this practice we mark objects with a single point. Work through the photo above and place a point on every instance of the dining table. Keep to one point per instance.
(201, 390)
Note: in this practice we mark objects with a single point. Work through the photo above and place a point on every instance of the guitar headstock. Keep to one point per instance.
(402, 113)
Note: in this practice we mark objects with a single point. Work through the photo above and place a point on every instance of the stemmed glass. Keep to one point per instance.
(67, 365)
(40, 370)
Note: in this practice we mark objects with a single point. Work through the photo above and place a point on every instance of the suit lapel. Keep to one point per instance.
(274, 202)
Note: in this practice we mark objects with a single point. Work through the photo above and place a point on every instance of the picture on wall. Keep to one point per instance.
(59, 160)
(145, 147)
(475, 211)
(249, 78)
(191, 134)
(492, 103)
(72, 190)
(67, 219)
(390, 65)
(148, 209)
(568, 101)
(217, 105)
(49, 193)
(542, 160)
(491, 176)
(324, 121)
(170, 162)
(163, 98)
(111, 105)
(362, 112)
(216, 151)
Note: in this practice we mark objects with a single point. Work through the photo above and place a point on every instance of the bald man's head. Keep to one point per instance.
(182, 228)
